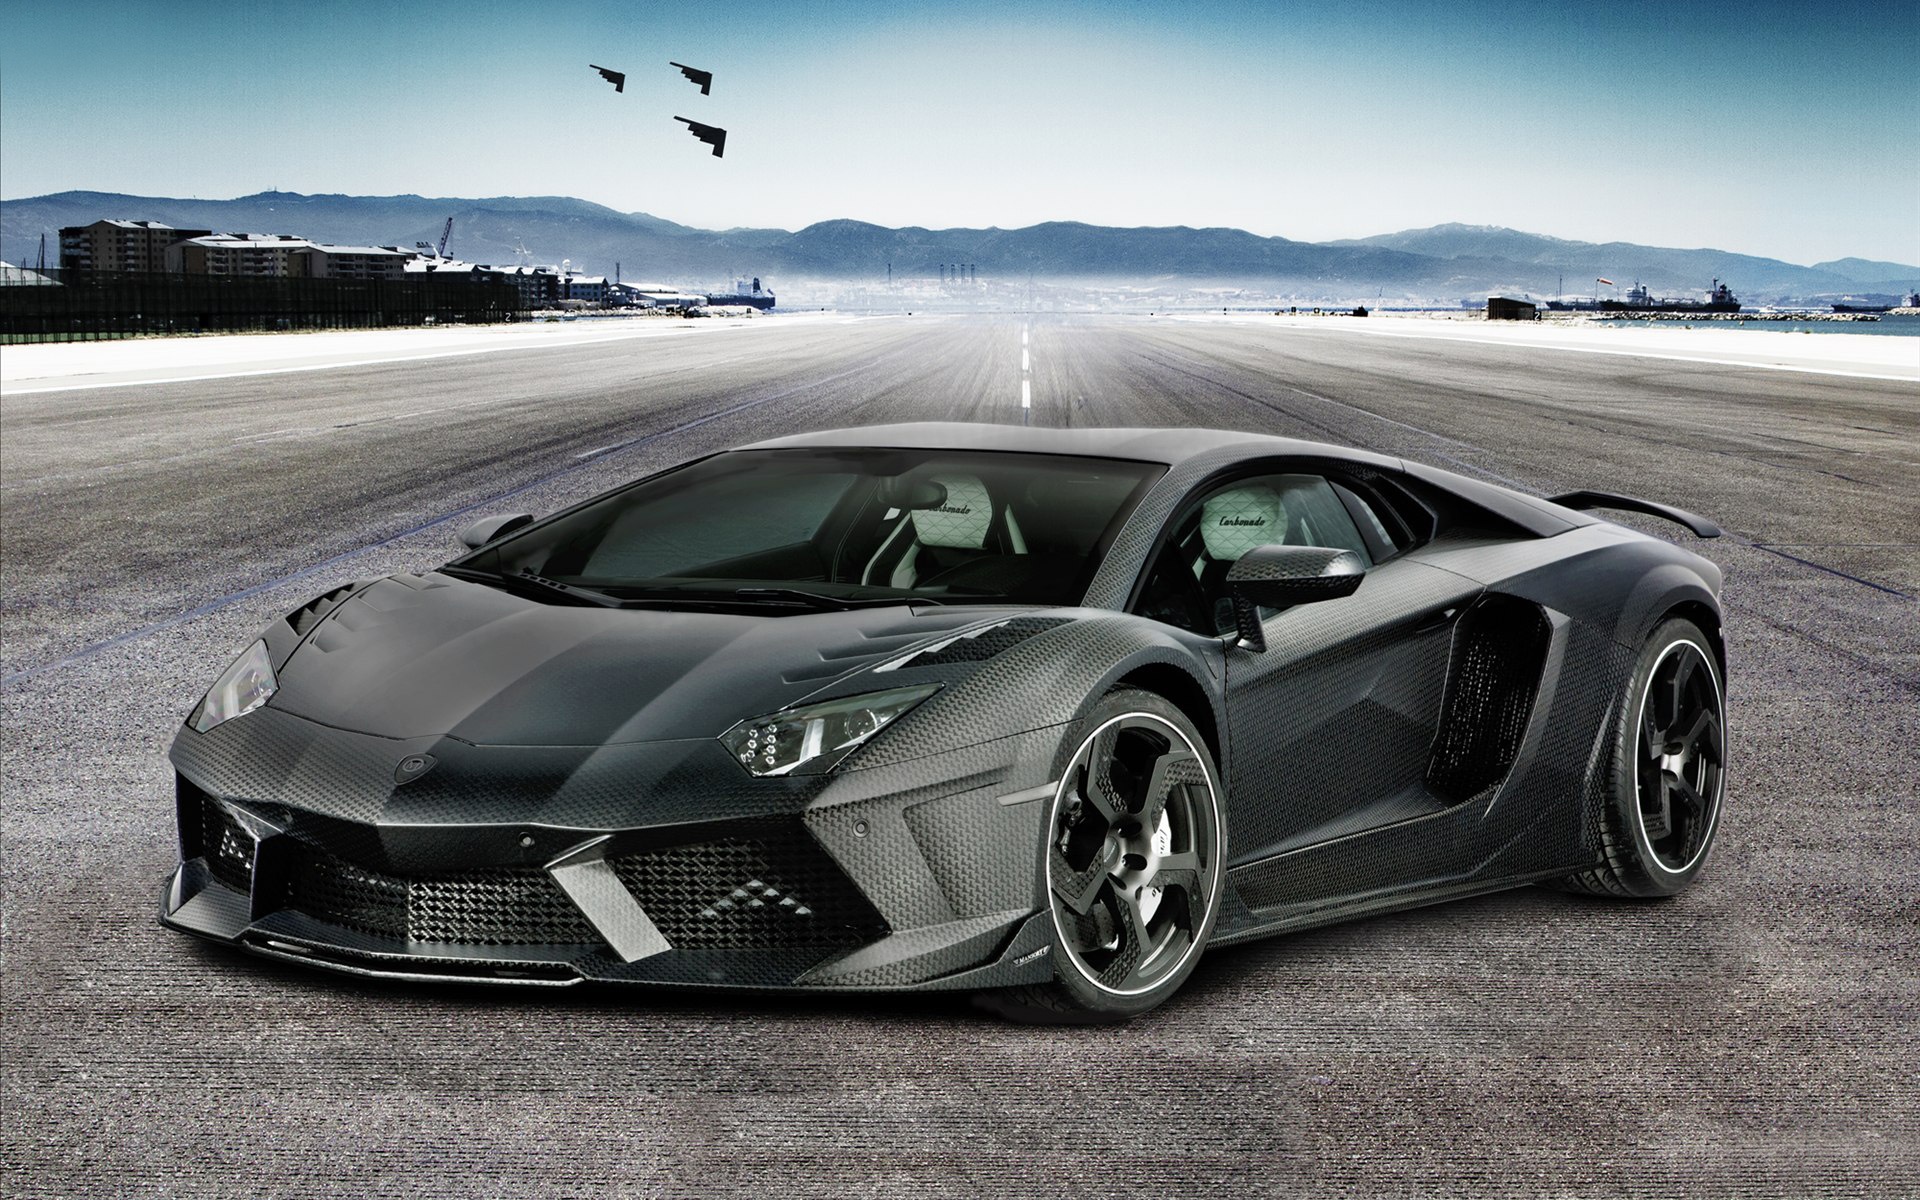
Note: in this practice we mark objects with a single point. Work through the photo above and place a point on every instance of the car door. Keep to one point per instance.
(1330, 727)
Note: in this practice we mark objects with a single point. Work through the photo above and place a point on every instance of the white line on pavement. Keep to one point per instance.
(1673, 354)
(158, 376)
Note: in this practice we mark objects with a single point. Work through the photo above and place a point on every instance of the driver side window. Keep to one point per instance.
(1187, 581)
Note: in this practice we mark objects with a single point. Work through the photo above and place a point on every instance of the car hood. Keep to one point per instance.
(418, 656)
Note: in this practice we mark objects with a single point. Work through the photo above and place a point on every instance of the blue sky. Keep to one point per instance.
(1790, 130)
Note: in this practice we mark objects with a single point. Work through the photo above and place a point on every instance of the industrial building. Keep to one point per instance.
(151, 247)
(1502, 308)
(661, 297)
(587, 289)
(255, 254)
(155, 248)
(319, 261)
(120, 245)
(538, 286)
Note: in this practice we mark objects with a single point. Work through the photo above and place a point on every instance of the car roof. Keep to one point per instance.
(1170, 446)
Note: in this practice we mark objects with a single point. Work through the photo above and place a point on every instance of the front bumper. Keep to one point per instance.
(912, 876)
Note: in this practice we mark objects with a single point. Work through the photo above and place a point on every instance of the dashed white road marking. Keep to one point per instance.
(299, 431)
(274, 433)
(1026, 383)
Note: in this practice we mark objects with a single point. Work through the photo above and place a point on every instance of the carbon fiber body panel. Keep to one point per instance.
(459, 782)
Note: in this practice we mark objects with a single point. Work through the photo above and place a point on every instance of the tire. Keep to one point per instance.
(1666, 778)
(1132, 864)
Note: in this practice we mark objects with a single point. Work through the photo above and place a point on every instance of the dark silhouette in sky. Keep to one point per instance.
(695, 75)
(617, 78)
(712, 135)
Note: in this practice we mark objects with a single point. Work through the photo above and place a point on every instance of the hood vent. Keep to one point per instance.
(977, 645)
(876, 646)
(308, 615)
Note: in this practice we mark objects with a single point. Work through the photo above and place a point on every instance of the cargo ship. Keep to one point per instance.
(1639, 300)
(745, 293)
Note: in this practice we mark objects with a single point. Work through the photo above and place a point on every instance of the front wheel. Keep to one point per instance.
(1668, 773)
(1134, 860)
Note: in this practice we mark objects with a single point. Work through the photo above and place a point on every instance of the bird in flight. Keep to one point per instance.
(712, 135)
(617, 78)
(695, 75)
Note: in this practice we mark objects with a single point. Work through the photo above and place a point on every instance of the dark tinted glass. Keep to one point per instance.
(852, 524)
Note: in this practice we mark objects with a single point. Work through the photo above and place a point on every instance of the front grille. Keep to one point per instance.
(501, 906)
(226, 845)
(773, 890)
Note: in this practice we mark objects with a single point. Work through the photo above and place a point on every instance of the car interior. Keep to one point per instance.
(1022, 527)
(1187, 584)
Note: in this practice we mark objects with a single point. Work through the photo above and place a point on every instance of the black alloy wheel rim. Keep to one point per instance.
(1680, 759)
(1132, 856)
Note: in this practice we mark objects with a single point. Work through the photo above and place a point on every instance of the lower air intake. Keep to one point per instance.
(772, 889)
(502, 906)
(226, 845)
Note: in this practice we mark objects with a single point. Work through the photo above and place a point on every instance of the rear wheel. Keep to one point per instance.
(1668, 773)
(1133, 861)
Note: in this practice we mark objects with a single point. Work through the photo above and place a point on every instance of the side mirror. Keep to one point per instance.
(487, 529)
(1283, 576)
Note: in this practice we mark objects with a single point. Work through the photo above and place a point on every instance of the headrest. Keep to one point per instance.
(1239, 519)
(961, 520)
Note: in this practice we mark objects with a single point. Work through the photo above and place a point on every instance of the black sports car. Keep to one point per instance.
(1033, 713)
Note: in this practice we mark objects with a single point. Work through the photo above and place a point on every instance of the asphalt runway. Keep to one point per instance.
(1758, 1036)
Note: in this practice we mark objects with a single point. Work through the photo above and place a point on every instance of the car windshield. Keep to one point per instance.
(837, 527)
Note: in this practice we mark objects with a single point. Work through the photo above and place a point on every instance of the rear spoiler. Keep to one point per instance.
(1700, 526)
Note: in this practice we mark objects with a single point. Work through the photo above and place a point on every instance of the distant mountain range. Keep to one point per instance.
(1445, 262)
(1493, 251)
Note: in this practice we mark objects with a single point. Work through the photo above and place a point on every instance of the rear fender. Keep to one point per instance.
(1624, 590)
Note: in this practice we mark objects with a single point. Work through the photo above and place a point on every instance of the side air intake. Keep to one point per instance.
(1499, 650)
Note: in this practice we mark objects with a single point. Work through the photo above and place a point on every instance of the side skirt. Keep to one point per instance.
(1294, 918)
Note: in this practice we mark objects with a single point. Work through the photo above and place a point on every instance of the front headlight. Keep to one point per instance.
(813, 740)
(245, 687)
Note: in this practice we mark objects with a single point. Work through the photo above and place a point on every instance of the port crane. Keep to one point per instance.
(445, 233)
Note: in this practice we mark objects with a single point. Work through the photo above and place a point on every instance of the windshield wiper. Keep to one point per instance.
(823, 602)
(640, 593)
(797, 597)
(527, 581)
(626, 595)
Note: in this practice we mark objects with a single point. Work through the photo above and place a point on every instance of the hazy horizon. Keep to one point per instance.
(1766, 129)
